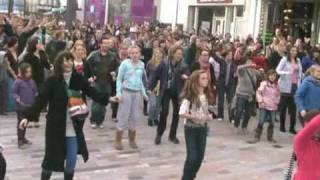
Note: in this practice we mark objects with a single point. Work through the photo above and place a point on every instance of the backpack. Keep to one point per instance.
(3, 67)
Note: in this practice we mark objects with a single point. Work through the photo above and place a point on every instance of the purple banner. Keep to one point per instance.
(142, 10)
(95, 11)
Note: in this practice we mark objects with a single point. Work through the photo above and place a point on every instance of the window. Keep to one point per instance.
(239, 11)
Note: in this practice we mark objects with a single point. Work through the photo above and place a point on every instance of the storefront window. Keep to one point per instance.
(239, 11)
(219, 11)
(119, 10)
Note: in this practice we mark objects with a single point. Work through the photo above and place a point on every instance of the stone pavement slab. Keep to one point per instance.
(228, 155)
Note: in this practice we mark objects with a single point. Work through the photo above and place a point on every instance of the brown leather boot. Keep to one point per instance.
(118, 143)
(132, 139)
(270, 134)
(258, 134)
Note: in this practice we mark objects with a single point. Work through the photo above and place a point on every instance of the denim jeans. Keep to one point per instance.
(72, 152)
(242, 110)
(267, 116)
(2, 166)
(229, 92)
(71, 158)
(196, 141)
(154, 107)
(98, 111)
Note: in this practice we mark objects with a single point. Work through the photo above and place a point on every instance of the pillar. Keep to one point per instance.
(228, 18)
(106, 12)
(196, 18)
(190, 20)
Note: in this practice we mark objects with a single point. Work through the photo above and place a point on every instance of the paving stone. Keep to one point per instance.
(228, 155)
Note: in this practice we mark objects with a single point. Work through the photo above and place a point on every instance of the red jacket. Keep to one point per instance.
(307, 151)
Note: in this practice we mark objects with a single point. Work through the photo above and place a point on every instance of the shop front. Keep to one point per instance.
(217, 16)
(298, 18)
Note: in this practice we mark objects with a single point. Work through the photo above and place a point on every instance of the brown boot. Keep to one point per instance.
(132, 139)
(118, 143)
(270, 134)
(258, 134)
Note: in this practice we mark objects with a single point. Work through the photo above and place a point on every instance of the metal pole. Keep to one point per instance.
(177, 12)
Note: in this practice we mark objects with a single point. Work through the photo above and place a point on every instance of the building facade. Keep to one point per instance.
(299, 18)
(238, 17)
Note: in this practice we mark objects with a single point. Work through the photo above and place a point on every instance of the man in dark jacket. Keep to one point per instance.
(102, 63)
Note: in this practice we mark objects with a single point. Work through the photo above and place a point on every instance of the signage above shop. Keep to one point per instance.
(214, 1)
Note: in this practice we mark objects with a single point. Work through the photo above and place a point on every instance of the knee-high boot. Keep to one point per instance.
(258, 133)
(270, 134)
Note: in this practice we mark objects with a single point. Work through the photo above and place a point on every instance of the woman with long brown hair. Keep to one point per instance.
(290, 73)
(194, 110)
(64, 136)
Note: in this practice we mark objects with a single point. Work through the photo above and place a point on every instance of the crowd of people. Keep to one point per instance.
(139, 69)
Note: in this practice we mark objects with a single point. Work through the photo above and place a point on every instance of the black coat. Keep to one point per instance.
(274, 60)
(161, 73)
(23, 39)
(37, 66)
(54, 93)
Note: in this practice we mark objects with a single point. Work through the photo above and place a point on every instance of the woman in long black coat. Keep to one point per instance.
(54, 92)
(38, 60)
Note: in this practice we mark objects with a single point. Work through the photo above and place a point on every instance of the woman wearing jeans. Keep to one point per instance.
(64, 136)
(130, 93)
(290, 72)
(154, 104)
(194, 111)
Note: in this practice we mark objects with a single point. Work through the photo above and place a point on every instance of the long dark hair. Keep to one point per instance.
(58, 63)
(32, 45)
(289, 55)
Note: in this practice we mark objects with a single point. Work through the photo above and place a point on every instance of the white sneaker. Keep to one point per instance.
(232, 122)
(93, 126)
(220, 119)
(101, 126)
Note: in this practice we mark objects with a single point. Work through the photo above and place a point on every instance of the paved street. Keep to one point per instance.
(228, 156)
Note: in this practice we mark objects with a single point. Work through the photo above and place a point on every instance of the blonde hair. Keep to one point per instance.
(84, 49)
(155, 62)
(311, 70)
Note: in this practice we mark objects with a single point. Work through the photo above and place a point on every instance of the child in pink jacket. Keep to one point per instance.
(268, 97)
